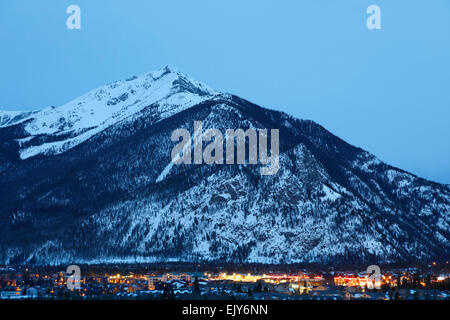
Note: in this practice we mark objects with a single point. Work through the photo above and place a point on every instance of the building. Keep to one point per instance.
(176, 276)
(32, 293)
(10, 292)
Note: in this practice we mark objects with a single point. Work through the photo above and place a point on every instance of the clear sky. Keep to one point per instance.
(387, 91)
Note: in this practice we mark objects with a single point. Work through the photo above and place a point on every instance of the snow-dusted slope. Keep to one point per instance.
(83, 117)
(9, 118)
(116, 196)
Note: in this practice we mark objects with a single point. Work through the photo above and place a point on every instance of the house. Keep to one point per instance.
(32, 293)
(362, 296)
(176, 276)
(282, 288)
(320, 288)
(10, 292)
(151, 282)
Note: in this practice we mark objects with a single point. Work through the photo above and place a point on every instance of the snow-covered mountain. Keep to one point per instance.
(82, 118)
(82, 182)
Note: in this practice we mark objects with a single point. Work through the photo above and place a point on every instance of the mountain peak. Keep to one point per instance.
(168, 90)
(171, 68)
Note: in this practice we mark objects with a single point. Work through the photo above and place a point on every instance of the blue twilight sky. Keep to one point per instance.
(387, 91)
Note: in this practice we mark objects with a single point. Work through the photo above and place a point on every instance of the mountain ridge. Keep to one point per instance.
(100, 201)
